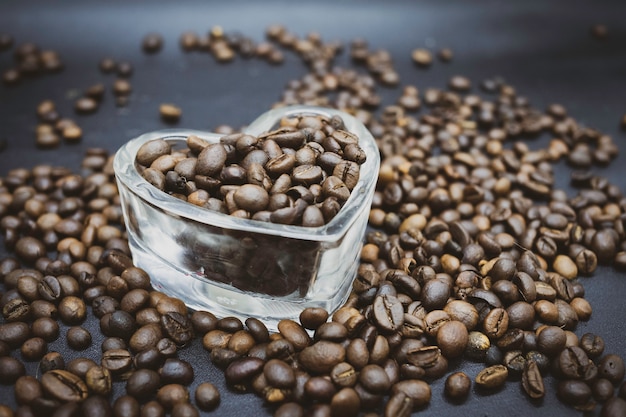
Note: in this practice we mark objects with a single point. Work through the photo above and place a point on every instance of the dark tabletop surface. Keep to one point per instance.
(542, 48)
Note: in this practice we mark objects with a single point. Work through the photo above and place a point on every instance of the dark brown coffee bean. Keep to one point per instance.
(172, 394)
(258, 330)
(399, 404)
(143, 383)
(29, 249)
(51, 361)
(14, 333)
(177, 327)
(457, 386)
(117, 361)
(532, 381)
(12, 369)
(388, 313)
(592, 344)
(64, 386)
(207, 396)
(574, 392)
(290, 409)
(241, 371)
(33, 349)
(78, 338)
(176, 371)
(602, 389)
(27, 389)
(374, 379)
(611, 367)
(343, 375)
(145, 337)
(279, 374)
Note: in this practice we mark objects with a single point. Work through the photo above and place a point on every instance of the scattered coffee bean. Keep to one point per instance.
(152, 43)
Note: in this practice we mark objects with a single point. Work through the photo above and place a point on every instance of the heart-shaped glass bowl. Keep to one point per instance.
(238, 267)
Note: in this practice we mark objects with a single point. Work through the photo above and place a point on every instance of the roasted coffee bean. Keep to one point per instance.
(96, 406)
(143, 383)
(322, 356)
(388, 313)
(345, 402)
(592, 344)
(257, 329)
(14, 333)
(343, 375)
(176, 371)
(457, 386)
(33, 349)
(64, 386)
(72, 310)
(152, 409)
(319, 389)
(574, 392)
(172, 394)
(177, 327)
(145, 337)
(611, 367)
(27, 389)
(117, 361)
(602, 389)
(152, 43)
(98, 380)
(78, 338)
(532, 381)
(207, 396)
(492, 377)
(294, 333)
(12, 369)
(80, 366)
(51, 361)
(452, 338)
(551, 340)
(241, 371)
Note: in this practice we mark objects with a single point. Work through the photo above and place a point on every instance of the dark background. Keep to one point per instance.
(542, 48)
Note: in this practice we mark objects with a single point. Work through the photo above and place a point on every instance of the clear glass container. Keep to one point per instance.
(238, 267)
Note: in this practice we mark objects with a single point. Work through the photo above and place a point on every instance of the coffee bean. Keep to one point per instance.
(64, 386)
(207, 396)
(170, 113)
(152, 43)
(51, 361)
(80, 366)
(602, 389)
(78, 338)
(322, 356)
(177, 327)
(241, 371)
(152, 409)
(176, 371)
(98, 380)
(532, 381)
(27, 389)
(85, 105)
(612, 368)
(492, 377)
(14, 333)
(290, 409)
(143, 383)
(72, 310)
(96, 406)
(388, 313)
(12, 369)
(592, 344)
(33, 349)
(117, 361)
(457, 386)
(345, 402)
(574, 392)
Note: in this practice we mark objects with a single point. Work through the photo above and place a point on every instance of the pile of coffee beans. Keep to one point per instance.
(472, 253)
(299, 174)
